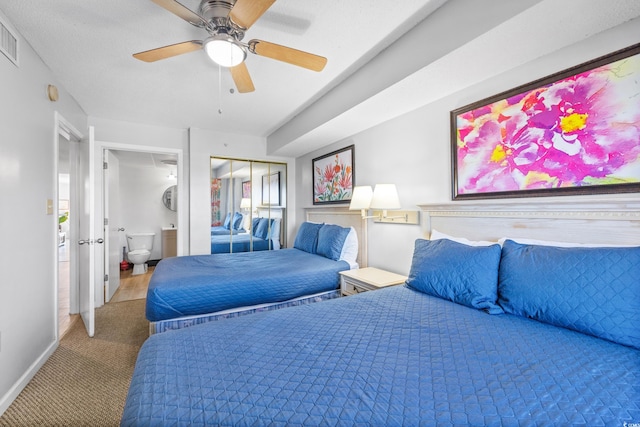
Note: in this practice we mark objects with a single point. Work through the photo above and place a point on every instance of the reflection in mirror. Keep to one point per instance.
(248, 201)
(170, 198)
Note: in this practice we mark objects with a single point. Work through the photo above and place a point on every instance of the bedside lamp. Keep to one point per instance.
(245, 203)
(361, 199)
(385, 197)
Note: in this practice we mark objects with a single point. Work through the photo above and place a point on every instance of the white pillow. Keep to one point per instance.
(524, 241)
(436, 235)
(349, 251)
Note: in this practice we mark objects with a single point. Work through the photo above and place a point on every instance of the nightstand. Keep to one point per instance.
(367, 279)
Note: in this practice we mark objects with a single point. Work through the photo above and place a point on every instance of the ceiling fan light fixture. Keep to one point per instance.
(224, 50)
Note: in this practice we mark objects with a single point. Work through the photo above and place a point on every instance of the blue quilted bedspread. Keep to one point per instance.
(385, 358)
(239, 243)
(184, 286)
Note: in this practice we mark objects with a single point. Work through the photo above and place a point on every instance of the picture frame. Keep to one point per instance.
(574, 132)
(271, 189)
(246, 189)
(334, 176)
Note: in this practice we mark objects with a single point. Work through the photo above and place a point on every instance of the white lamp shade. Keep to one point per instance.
(385, 196)
(245, 203)
(224, 50)
(361, 198)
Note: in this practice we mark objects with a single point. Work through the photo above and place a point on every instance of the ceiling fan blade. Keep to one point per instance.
(242, 79)
(287, 54)
(182, 11)
(168, 51)
(246, 12)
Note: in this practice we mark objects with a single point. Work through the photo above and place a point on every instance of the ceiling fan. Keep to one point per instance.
(226, 22)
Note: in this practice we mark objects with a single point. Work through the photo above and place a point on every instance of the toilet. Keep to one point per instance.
(140, 246)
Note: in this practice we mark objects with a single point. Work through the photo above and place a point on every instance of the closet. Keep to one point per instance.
(248, 205)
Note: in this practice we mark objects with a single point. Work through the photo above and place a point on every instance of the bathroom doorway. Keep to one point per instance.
(134, 183)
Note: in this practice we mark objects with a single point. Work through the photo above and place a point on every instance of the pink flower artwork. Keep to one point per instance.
(583, 130)
(333, 177)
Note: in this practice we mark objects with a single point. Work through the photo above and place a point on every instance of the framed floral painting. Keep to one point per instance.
(333, 176)
(575, 132)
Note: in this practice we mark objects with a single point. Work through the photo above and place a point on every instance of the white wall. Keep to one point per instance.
(413, 151)
(28, 316)
(141, 207)
(202, 145)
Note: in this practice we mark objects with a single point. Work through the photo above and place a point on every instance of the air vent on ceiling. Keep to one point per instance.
(8, 43)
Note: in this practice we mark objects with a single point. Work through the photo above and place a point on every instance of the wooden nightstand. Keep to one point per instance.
(367, 279)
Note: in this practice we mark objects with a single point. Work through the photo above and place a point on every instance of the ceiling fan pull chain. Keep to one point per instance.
(219, 89)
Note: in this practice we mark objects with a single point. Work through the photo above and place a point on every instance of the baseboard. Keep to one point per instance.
(15, 390)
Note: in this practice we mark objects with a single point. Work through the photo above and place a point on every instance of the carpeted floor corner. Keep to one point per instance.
(85, 381)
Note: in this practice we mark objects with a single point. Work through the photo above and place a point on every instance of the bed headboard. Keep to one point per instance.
(611, 222)
(345, 218)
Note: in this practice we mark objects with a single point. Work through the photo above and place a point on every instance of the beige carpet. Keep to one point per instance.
(85, 381)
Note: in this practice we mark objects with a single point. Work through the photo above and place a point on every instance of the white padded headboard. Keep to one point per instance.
(344, 218)
(611, 222)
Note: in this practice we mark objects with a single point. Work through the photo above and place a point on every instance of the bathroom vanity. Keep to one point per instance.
(169, 242)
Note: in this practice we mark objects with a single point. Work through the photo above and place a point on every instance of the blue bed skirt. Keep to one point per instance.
(185, 322)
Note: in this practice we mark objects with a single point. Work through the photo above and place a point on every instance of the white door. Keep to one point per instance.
(113, 243)
(86, 242)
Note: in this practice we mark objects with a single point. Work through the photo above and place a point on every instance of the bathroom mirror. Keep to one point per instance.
(170, 198)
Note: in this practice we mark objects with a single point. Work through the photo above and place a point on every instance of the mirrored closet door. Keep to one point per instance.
(248, 205)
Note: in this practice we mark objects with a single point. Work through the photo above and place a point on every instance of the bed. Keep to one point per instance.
(185, 291)
(264, 235)
(470, 339)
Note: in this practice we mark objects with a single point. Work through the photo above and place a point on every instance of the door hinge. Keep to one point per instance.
(106, 277)
(105, 165)
(106, 221)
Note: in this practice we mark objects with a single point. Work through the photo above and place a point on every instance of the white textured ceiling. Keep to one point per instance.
(384, 59)
(88, 44)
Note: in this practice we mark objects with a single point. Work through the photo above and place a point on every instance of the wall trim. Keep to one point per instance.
(22, 382)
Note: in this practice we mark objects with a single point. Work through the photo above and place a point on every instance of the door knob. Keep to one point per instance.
(100, 241)
(121, 229)
(83, 242)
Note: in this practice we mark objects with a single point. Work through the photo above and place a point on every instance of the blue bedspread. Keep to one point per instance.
(221, 231)
(191, 285)
(385, 358)
(239, 243)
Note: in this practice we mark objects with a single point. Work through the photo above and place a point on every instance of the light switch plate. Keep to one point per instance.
(49, 207)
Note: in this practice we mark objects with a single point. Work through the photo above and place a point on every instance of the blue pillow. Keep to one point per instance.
(307, 237)
(227, 221)
(464, 274)
(591, 290)
(237, 220)
(331, 239)
(262, 229)
(254, 225)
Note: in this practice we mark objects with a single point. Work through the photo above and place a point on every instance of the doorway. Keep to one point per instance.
(134, 195)
(66, 224)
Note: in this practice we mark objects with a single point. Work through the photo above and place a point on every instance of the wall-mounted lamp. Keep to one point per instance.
(382, 199)
(245, 203)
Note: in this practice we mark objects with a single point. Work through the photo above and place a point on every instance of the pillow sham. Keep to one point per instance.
(307, 237)
(237, 221)
(591, 290)
(436, 235)
(524, 241)
(227, 221)
(331, 240)
(262, 229)
(467, 275)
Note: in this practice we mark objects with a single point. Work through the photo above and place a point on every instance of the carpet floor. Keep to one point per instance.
(85, 381)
